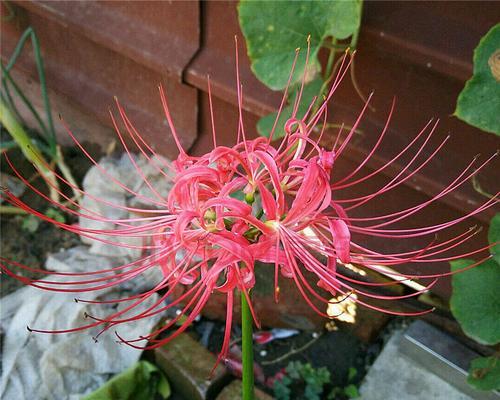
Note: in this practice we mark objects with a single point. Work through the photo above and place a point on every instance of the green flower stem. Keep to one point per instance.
(67, 174)
(30, 151)
(247, 349)
(11, 210)
(329, 63)
(355, 35)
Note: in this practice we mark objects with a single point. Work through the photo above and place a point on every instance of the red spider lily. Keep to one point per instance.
(254, 202)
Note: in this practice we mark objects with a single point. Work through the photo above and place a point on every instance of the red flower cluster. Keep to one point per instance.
(254, 202)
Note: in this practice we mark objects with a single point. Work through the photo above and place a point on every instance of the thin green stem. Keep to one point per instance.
(7, 78)
(355, 36)
(43, 87)
(247, 349)
(477, 187)
(63, 167)
(7, 98)
(12, 210)
(329, 70)
(29, 149)
(329, 63)
(29, 33)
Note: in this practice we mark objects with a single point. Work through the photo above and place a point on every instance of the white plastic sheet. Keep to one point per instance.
(64, 366)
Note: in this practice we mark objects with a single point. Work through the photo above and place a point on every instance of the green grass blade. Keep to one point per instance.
(8, 78)
(29, 149)
(49, 131)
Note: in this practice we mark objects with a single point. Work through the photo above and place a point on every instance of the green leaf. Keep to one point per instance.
(479, 102)
(484, 373)
(293, 369)
(50, 133)
(475, 301)
(55, 214)
(494, 236)
(351, 391)
(351, 374)
(142, 381)
(30, 223)
(274, 29)
(281, 389)
(336, 391)
(265, 124)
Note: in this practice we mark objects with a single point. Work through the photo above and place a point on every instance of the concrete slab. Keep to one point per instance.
(394, 376)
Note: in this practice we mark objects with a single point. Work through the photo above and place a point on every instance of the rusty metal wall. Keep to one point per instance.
(94, 51)
(420, 53)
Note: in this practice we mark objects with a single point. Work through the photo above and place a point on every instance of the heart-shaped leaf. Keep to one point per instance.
(475, 301)
(274, 29)
(479, 101)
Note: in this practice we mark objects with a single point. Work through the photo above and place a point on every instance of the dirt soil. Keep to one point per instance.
(32, 248)
(338, 351)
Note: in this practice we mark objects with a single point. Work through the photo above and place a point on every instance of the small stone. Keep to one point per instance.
(233, 391)
(13, 184)
(188, 365)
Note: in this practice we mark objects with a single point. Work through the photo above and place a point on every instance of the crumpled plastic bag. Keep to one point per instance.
(97, 184)
(65, 366)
